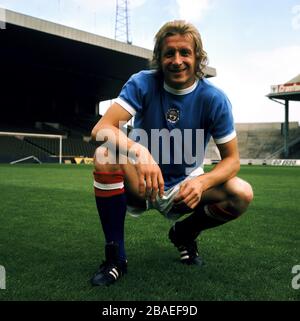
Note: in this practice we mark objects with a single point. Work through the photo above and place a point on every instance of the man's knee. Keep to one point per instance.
(247, 193)
(105, 161)
(240, 193)
(241, 189)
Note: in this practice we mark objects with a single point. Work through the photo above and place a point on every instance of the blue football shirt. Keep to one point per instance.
(176, 125)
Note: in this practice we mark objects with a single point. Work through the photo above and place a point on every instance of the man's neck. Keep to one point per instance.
(183, 91)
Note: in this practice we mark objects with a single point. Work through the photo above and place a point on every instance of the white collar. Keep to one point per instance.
(184, 91)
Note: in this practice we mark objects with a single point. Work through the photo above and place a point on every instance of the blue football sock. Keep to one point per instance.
(112, 205)
(112, 212)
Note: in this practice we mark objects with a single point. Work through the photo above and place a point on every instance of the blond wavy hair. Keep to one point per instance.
(180, 27)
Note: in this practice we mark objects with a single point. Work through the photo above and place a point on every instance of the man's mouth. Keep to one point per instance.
(176, 71)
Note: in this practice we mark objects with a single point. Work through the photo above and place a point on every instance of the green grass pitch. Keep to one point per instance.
(51, 242)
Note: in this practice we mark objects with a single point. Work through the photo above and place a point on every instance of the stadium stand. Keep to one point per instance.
(295, 151)
(260, 141)
(256, 141)
(13, 148)
(71, 147)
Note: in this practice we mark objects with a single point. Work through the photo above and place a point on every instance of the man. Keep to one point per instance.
(174, 97)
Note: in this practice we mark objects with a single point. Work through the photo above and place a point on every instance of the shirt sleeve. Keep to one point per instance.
(222, 129)
(132, 94)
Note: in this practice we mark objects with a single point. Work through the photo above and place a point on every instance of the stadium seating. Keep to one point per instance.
(13, 148)
(71, 147)
(256, 141)
(259, 141)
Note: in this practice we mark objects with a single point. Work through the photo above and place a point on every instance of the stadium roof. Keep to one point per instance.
(294, 80)
(95, 63)
(49, 70)
(33, 23)
(294, 96)
(287, 91)
(108, 58)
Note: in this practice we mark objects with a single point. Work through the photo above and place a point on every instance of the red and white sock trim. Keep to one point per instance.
(108, 184)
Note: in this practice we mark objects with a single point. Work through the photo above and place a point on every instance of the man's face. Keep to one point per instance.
(178, 61)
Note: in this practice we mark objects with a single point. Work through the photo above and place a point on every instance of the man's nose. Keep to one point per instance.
(177, 59)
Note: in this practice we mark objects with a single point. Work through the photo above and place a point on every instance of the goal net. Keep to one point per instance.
(21, 147)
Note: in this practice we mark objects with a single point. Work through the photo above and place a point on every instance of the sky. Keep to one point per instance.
(253, 44)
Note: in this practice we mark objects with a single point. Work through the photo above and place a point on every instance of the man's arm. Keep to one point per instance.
(191, 191)
(109, 125)
(227, 168)
(107, 130)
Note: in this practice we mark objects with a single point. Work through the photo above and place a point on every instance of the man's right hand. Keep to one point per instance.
(151, 181)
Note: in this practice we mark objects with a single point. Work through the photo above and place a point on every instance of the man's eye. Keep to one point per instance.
(168, 54)
(185, 53)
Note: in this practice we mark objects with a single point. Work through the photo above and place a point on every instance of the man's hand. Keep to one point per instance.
(190, 193)
(151, 180)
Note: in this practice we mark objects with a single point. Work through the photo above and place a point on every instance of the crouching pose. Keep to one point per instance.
(160, 165)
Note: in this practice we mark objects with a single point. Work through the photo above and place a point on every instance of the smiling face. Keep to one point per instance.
(178, 61)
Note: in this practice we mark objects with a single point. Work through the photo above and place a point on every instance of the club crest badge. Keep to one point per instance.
(173, 115)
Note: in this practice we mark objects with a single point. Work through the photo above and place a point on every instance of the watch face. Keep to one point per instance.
(173, 115)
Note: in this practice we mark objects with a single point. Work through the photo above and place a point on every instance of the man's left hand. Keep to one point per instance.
(190, 193)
